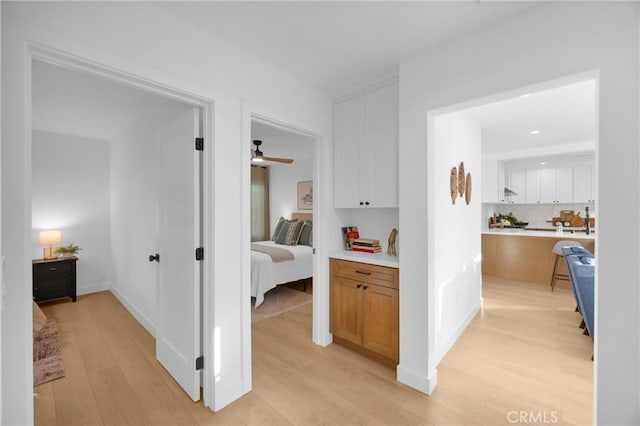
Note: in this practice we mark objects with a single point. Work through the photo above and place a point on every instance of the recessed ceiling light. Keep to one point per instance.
(535, 132)
(525, 95)
(542, 163)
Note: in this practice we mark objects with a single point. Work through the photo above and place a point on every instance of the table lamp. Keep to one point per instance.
(49, 239)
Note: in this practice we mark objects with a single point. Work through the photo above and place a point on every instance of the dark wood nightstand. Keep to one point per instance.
(54, 278)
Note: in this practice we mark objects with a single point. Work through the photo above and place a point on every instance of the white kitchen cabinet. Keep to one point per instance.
(365, 149)
(556, 185)
(516, 181)
(491, 182)
(584, 184)
(533, 185)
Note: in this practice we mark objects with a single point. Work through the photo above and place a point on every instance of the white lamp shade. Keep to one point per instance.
(49, 238)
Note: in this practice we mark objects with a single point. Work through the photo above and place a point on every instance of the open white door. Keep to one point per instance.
(179, 277)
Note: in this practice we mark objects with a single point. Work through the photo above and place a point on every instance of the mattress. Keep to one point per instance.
(266, 275)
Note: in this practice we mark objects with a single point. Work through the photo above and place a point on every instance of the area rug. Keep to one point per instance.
(277, 301)
(47, 355)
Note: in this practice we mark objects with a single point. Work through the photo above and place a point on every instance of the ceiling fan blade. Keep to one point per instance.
(278, 160)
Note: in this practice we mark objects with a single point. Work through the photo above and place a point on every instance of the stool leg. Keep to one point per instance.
(555, 271)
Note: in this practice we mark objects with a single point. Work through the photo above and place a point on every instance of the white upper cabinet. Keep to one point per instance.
(365, 149)
(556, 186)
(491, 182)
(348, 143)
(584, 184)
(565, 183)
(516, 181)
(533, 185)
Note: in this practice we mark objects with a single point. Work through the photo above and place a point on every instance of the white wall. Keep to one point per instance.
(456, 237)
(71, 193)
(283, 187)
(143, 40)
(373, 223)
(551, 41)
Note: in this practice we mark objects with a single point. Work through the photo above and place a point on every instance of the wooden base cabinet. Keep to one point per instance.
(364, 309)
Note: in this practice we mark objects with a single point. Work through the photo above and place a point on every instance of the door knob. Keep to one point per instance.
(154, 257)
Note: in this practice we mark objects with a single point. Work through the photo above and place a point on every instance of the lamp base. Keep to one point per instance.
(48, 253)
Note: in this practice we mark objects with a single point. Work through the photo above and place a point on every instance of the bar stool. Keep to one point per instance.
(557, 250)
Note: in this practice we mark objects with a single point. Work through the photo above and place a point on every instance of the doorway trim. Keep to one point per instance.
(36, 51)
(251, 112)
(434, 356)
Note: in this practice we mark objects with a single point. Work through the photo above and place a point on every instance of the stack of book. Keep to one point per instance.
(366, 245)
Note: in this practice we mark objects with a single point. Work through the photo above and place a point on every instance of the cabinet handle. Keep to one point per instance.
(53, 269)
(359, 285)
(363, 272)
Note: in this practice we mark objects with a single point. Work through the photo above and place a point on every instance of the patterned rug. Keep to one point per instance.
(47, 355)
(277, 301)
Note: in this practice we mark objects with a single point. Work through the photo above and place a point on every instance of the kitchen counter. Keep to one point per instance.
(380, 259)
(522, 255)
(518, 232)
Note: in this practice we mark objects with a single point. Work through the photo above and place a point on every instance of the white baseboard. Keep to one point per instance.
(142, 319)
(462, 326)
(93, 288)
(425, 384)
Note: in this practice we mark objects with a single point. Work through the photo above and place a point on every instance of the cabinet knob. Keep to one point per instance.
(361, 203)
(366, 203)
(359, 285)
(365, 287)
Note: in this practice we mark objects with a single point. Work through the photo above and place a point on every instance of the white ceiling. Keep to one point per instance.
(563, 116)
(278, 142)
(76, 103)
(340, 46)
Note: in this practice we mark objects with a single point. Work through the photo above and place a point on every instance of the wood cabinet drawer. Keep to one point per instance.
(374, 274)
(52, 271)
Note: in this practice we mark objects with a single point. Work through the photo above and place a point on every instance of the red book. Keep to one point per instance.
(366, 250)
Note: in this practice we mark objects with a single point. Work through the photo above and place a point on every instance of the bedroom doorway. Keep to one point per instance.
(125, 148)
(281, 218)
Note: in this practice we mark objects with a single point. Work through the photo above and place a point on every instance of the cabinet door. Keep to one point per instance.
(517, 181)
(564, 184)
(532, 185)
(490, 183)
(348, 140)
(548, 184)
(346, 309)
(380, 177)
(583, 184)
(380, 322)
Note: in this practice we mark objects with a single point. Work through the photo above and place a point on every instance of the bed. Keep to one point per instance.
(267, 274)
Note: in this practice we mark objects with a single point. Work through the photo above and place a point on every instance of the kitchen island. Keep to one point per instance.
(525, 255)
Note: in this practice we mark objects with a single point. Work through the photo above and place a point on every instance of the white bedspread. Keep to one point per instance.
(266, 275)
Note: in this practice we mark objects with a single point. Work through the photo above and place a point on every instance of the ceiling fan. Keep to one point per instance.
(257, 156)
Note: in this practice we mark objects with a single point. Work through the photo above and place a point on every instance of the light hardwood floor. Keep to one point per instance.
(523, 352)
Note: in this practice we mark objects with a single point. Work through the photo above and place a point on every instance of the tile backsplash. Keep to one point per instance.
(537, 214)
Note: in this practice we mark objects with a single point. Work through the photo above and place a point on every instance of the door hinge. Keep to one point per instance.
(200, 253)
(199, 144)
(199, 363)
(314, 250)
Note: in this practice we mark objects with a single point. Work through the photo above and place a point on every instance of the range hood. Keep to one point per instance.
(508, 192)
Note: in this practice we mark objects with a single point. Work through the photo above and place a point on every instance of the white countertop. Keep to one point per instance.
(380, 259)
(516, 232)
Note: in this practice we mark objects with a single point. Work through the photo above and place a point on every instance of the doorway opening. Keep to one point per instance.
(116, 168)
(531, 155)
(282, 223)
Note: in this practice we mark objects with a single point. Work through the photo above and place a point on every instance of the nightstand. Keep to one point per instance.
(54, 278)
